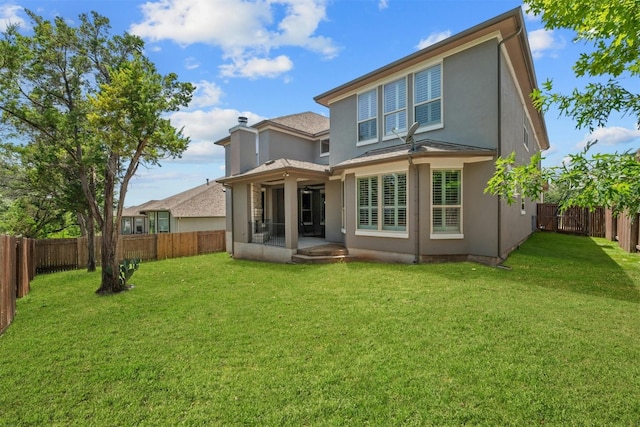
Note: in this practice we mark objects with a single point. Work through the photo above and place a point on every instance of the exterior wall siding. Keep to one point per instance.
(277, 145)
(516, 225)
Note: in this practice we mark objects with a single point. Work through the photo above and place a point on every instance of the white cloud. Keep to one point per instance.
(9, 16)
(383, 4)
(611, 136)
(433, 38)
(207, 94)
(254, 68)
(244, 30)
(542, 41)
(191, 63)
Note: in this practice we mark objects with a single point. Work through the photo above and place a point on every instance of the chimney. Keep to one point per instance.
(242, 121)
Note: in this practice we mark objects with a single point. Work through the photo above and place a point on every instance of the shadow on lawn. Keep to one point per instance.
(577, 264)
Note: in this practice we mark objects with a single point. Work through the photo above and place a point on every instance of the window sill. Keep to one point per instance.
(367, 142)
(375, 233)
(324, 154)
(446, 236)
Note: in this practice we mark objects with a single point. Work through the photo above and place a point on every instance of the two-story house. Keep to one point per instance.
(412, 146)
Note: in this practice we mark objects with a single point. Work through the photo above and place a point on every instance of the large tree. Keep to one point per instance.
(94, 104)
(609, 32)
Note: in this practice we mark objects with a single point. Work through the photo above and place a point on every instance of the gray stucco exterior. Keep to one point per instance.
(486, 74)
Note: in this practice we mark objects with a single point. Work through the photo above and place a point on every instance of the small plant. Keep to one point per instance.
(127, 268)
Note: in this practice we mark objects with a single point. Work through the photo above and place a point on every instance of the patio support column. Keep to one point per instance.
(291, 212)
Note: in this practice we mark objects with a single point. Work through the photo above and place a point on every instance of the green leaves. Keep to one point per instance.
(611, 28)
(609, 180)
(512, 180)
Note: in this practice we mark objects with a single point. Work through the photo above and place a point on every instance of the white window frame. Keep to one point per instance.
(400, 107)
(380, 229)
(323, 142)
(168, 221)
(373, 116)
(433, 126)
(445, 234)
(525, 133)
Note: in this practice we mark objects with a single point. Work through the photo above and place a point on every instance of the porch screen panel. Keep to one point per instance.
(446, 201)
(394, 202)
(368, 203)
(428, 96)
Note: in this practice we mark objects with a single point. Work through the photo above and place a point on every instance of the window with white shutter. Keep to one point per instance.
(446, 201)
(368, 203)
(368, 115)
(428, 96)
(382, 196)
(395, 106)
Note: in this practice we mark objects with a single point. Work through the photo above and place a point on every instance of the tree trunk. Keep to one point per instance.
(91, 244)
(110, 264)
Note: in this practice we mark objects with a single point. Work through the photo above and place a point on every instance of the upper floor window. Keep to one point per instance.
(428, 96)
(525, 136)
(395, 106)
(324, 147)
(367, 115)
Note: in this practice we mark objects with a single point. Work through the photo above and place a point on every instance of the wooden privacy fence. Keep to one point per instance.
(627, 232)
(17, 269)
(625, 229)
(21, 258)
(71, 254)
(573, 220)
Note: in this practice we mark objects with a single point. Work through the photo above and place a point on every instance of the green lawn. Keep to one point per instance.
(208, 340)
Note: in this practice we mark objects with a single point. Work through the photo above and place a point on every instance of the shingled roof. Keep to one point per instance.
(206, 200)
(308, 122)
(426, 148)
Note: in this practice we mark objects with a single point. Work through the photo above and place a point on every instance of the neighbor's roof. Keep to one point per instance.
(426, 148)
(278, 169)
(308, 124)
(509, 28)
(137, 210)
(206, 200)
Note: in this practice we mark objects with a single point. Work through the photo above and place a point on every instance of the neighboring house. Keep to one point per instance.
(201, 208)
(383, 198)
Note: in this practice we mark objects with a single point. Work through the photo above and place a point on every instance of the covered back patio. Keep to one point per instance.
(275, 209)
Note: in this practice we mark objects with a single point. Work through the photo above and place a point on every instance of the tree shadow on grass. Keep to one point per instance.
(577, 264)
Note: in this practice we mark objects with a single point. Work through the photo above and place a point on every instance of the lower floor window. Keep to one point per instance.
(382, 197)
(163, 222)
(446, 201)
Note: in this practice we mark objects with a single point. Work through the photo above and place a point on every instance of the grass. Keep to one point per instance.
(555, 340)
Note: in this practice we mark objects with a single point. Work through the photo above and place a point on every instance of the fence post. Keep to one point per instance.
(22, 285)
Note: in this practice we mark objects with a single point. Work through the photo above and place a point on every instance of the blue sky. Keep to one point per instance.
(268, 58)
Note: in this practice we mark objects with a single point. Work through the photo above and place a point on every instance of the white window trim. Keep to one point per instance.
(377, 118)
(435, 126)
(328, 152)
(405, 109)
(444, 235)
(400, 234)
(525, 133)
